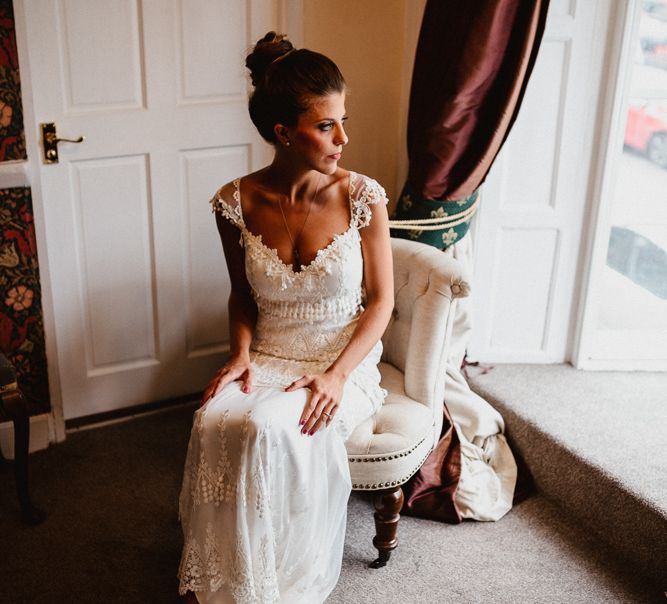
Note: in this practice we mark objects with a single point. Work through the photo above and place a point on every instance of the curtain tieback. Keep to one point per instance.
(432, 221)
(438, 223)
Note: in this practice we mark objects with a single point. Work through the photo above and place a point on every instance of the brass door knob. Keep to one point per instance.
(50, 142)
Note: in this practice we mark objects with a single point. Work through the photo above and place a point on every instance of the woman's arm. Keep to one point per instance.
(327, 388)
(379, 285)
(242, 314)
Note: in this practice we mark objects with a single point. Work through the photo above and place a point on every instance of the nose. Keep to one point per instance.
(341, 137)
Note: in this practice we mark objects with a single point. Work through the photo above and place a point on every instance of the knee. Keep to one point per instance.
(233, 424)
(247, 426)
(237, 418)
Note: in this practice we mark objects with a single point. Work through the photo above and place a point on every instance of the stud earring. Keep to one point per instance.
(287, 143)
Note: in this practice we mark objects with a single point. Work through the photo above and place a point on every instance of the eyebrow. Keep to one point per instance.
(329, 119)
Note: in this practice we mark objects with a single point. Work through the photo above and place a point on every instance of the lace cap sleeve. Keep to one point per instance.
(227, 201)
(365, 192)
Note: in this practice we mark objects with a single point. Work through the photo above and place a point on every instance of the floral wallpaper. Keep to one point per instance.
(21, 326)
(12, 137)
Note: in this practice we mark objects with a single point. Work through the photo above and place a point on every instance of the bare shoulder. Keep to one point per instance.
(337, 185)
(240, 192)
(254, 181)
(227, 191)
(255, 190)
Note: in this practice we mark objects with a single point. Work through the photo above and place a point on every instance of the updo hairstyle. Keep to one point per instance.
(286, 81)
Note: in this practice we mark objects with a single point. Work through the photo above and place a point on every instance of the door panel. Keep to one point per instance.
(211, 65)
(100, 48)
(529, 312)
(540, 127)
(203, 169)
(115, 272)
(139, 283)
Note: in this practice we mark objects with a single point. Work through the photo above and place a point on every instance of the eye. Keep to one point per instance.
(326, 126)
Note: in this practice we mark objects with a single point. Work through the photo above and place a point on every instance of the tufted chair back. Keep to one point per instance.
(426, 284)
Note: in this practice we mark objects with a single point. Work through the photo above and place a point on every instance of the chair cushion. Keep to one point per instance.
(389, 447)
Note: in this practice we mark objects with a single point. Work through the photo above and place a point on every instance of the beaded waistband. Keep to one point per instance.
(327, 308)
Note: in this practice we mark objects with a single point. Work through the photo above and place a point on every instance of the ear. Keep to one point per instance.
(282, 135)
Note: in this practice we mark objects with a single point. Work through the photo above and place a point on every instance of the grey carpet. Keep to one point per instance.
(113, 536)
(595, 444)
(533, 555)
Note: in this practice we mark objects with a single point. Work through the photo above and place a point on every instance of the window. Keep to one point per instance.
(624, 323)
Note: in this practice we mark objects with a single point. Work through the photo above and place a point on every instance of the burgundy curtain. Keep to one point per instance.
(472, 65)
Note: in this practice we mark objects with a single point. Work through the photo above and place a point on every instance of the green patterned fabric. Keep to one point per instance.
(412, 206)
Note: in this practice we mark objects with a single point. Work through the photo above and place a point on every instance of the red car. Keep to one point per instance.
(646, 130)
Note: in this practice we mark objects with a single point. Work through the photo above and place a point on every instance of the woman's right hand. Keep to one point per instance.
(236, 369)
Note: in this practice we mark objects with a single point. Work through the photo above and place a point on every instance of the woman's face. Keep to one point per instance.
(319, 135)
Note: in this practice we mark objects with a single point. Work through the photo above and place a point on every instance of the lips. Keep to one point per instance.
(335, 156)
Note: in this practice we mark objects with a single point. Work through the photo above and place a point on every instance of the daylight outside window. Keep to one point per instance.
(627, 323)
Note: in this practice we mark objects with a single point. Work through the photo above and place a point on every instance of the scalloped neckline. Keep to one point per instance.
(320, 255)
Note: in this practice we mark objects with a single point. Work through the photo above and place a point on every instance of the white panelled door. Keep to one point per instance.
(138, 281)
(529, 229)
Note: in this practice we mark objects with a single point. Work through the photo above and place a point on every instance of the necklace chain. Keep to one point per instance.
(293, 240)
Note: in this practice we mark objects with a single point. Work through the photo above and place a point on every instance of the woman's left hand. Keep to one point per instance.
(326, 393)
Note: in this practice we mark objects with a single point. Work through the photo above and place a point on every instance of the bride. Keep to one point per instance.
(266, 480)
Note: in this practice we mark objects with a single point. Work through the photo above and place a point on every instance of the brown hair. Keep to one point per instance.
(286, 80)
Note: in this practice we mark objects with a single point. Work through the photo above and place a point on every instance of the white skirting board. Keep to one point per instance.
(39, 435)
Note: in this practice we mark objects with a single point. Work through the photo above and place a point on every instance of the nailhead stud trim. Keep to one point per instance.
(383, 485)
(387, 457)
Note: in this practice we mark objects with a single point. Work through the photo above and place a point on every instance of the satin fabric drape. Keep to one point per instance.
(430, 492)
(472, 66)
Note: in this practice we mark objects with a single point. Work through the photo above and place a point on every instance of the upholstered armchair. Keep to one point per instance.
(387, 449)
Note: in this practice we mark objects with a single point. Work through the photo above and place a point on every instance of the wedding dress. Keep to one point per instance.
(263, 507)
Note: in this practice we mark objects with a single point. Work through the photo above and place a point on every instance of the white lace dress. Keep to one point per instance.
(263, 507)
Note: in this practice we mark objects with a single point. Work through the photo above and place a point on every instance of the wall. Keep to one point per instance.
(21, 325)
(368, 42)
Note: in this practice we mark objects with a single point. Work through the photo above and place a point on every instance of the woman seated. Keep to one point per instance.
(266, 483)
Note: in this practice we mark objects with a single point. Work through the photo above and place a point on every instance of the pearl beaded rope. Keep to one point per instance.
(436, 224)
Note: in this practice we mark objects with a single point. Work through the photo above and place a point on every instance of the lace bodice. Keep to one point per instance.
(307, 315)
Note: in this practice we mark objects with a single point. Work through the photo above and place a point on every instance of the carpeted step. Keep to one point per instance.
(595, 445)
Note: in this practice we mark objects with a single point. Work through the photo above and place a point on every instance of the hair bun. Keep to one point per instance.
(271, 47)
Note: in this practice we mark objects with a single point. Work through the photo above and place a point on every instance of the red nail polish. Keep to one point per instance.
(311, 432)
(302, 422)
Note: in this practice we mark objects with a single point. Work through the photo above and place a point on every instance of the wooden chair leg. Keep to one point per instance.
(388, 504)
(15, 406)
